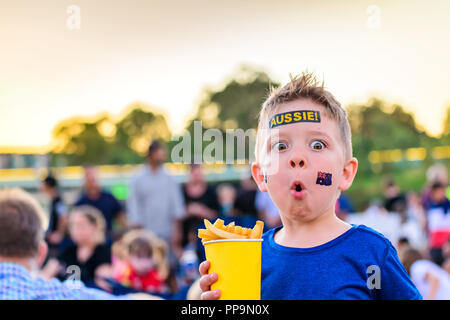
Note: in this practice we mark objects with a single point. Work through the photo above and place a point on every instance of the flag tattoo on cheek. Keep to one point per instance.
(323, 178)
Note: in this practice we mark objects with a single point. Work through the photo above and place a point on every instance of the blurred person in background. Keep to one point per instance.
(200, 198)
(23, 250)
(267, 211)
(144, 265)
(446, 254)
(395, 201)
(245, 201)
(201, 203)
(344, 207)
(415, 210)
(89, 252)
(435, 173)
(413, 222)
(408, 226)
(226, 195)
(402, 245)
(438, 221)
(244, 212)
(375, 208)
(377, 217)
(155, 201)
(94, 195)
(58, 215)
(432, 281)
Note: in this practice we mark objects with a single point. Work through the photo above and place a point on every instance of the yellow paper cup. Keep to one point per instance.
(237, 263)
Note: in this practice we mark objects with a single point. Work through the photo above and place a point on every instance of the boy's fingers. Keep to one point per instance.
(210, 295)
(204, 267)
(206, 281)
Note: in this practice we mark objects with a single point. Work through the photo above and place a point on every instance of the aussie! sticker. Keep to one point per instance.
(294, 117)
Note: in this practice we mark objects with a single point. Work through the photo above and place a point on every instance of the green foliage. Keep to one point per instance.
(103, 141)
(237, 105)
(378, 126)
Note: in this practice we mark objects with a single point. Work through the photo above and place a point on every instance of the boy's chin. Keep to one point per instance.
(300, 213)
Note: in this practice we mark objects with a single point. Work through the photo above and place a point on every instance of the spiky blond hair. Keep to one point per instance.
(304, 86)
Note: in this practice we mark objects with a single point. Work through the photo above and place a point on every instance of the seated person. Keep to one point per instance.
(140, 262)
(88, 253)
(23, 249)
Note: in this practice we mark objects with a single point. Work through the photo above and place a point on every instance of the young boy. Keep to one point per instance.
(304, 160)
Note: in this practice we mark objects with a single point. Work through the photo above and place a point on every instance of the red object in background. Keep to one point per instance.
(150, 282)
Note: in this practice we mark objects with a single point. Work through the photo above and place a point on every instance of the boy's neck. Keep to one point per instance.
(308, 234)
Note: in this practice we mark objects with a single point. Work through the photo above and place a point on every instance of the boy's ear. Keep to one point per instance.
(348, 174)
(258, 176)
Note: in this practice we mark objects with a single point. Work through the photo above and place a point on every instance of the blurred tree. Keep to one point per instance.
(134, 133)
(235, 106)
(82, 141)
(377, 126)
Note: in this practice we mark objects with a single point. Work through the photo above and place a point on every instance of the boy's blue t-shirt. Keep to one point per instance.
(359, 264)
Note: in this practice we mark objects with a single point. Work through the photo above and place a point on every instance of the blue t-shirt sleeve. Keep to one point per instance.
(395, 281)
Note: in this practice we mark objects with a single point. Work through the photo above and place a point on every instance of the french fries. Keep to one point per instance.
(218, 230)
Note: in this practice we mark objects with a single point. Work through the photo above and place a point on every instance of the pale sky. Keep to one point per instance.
(165, 52)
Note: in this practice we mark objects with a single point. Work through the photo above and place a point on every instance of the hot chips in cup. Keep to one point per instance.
(219, 230)
(235, 255)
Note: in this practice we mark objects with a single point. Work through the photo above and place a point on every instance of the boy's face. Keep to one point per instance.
(305, 165)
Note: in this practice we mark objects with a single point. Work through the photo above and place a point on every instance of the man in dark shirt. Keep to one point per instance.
(101, 199)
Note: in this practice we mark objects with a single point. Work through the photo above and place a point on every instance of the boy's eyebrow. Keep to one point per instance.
(283, 134)
(320, 133)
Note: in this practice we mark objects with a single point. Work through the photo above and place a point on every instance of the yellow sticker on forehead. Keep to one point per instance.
(293, 117)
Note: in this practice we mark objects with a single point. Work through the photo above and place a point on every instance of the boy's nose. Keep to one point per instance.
(294, 162)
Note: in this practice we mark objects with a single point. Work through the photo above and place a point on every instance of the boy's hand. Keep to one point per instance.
(206, 281)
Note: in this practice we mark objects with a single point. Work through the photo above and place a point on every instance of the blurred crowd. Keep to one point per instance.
(418, 224)
(149, 243)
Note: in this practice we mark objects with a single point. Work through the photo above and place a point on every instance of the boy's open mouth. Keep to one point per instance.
(297, 189)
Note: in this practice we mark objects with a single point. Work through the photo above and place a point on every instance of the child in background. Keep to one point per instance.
(140, 262)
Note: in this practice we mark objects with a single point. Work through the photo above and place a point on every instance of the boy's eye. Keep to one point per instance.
(317, 145)
(280, 146)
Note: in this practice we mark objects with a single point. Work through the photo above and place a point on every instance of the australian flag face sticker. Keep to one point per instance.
(323, 178)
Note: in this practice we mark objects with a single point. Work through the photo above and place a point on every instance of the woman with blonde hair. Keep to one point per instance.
(88, 259)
